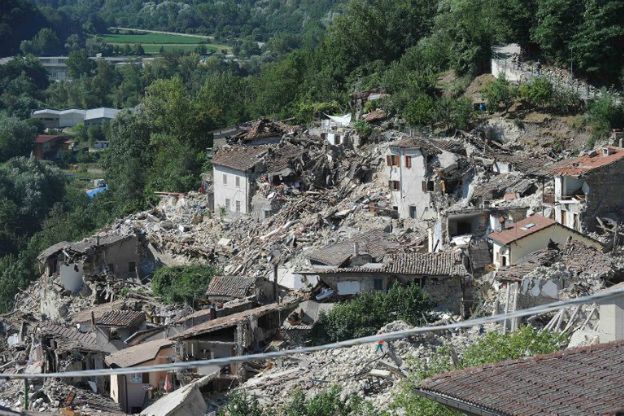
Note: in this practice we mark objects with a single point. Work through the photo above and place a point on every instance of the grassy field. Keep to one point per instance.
(153, 42)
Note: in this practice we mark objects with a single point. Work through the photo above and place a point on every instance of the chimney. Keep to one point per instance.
(356, 249)
(92, 320)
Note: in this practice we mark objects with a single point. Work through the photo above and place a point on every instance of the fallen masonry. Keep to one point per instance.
(295, 221)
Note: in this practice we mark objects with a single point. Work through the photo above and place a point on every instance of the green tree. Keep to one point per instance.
(596, 47)
(604, 114)
(367, 313)
(182, 284)
(557, 22)
(499, 94)
(16, 138)
(79, 64)
(538, 93)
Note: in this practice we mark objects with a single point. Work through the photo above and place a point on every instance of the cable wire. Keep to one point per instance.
(183, 365)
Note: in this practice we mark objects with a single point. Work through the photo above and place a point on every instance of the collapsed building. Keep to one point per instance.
(114, 255)
(588, 187)
(424, 176)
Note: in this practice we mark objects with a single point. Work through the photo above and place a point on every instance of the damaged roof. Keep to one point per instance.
(83, 246)
(230, 286)
(579, 258)
(264, 128)
(98, 311)
(522, 229)
(137, 354)
(241, 158)
(282, 158)
(444, 263)
(376, 243)
(499, 185)
(229, 320)
(417, 143)
(578, 381)
(596, 159)
(121, 318)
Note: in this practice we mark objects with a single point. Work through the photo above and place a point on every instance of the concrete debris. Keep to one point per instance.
(359, 370)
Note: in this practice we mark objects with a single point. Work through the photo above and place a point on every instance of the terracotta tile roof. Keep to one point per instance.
(240, 158)
(443, 263)
(416, 264)
(46, 138)
(522, 229)
(85, 340)
(98, 311)
(138, 354)
(588, 163)
(230, 286)
(377, 243)
(229, 320)
(121, 318)
(579, 381)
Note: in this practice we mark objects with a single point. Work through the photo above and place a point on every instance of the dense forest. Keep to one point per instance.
(328, 51)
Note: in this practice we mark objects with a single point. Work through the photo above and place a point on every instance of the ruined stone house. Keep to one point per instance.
(114, 255)
(133, 391)
(68, 349)
(543, 276)
(336, 130)
(456, 227)
(530, 235)
(589, 186)
(231, 335)
(284, 166)
(252, 179)
(443, 276)
(235, 170)
(423, 176)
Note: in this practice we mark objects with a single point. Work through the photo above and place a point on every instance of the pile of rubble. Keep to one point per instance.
(361, 370)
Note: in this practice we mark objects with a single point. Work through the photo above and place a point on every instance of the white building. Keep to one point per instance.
(235, 170)
(530, 235)
(411, 179)
(55, 119)
(336, 129)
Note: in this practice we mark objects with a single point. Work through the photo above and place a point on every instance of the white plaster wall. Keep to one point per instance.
(71, 276)
(411, 179)
(611, 324)
(504, 68)
(538, 241)
(71, 118)
(230, 190)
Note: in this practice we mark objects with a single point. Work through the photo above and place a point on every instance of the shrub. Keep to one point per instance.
(538, 93)
(499, 92)
(182, 283)
(363, 129)
(370, 311)
(604, 114)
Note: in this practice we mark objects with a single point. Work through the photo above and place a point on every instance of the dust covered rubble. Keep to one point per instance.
(359, 370)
